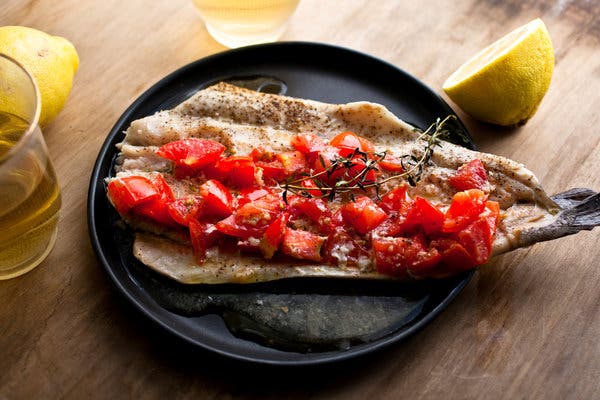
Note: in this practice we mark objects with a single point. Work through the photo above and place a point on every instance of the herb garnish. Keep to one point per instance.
(349, 181)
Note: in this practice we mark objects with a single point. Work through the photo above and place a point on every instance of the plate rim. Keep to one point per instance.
(313, 358)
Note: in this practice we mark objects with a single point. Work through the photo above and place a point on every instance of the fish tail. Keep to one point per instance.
(580, 211)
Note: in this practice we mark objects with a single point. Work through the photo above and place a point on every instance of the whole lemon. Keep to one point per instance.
(52, 60)
(504, 83)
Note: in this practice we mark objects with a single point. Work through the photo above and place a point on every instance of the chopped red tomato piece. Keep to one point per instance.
(470, 176)
(455, 258)
(363, 214)
(477, 238)
(293, 162)
(315, 209)
(395, 200)
(348, 142)
(203, 236)
(301, 244)
(260, 153)
(185, 208)
(342, 248)
(229, 226)
(464, 209)
(391, 163)
(307, 143)
(129, 191)
(425, 215)
(251, 194)
(261, 212)
(357, 171)
(404, 257)
(311, 188)
(273, 236)
(217, 199)
(193, 153)
(325, 158)
(238, 171)
(272, 170)
(157, 208)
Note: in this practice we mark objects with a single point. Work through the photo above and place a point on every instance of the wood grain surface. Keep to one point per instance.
(526, 327)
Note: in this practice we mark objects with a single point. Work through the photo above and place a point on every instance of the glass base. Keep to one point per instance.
(33, 260)
(246, 39)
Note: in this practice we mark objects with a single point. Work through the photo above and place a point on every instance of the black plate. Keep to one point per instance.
(314, 71)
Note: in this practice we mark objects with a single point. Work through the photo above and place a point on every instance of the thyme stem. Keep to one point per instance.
(348, 183)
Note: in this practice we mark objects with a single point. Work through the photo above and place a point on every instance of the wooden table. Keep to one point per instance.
(526, 326)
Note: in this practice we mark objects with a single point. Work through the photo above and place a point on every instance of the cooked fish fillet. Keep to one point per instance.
(241, 119)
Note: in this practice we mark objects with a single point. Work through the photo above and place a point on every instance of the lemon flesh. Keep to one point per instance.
(52, 60)
(504, 83)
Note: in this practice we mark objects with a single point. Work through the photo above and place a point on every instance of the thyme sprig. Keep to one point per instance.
(348, 183)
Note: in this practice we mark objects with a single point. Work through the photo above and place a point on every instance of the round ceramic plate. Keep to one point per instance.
(288, 322)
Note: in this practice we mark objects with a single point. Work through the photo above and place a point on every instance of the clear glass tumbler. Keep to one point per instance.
(29, 192)
(236, 23)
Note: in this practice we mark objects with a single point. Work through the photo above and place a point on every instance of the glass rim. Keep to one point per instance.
(36, 115)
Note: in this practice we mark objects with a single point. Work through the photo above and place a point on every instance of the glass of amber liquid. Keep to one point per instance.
(29, 193)
(236, 23)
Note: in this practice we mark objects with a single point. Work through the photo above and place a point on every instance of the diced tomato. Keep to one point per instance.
(477, 238)
(237, 171)
(203, 236)
(157, 208)
(455, 258)
(229, 226)
(260, 153)
(393, 225)
(315, 209)
(395, 200)
(311, 187)
(129, 191)
(363, 214)
(192, 154)
(391, 163)
(252, 194)
(273, 236)
(403, 257)
(301, 244)
(342, 248)
(324, 160)
(425, 215)
(470, 176)
(307, 143)
(217, 199)
(357, 171)
(293, 162)
(283, 165)
(464, 209)
(185, 208)
(348, 142)
(261, 212)
(272, 170)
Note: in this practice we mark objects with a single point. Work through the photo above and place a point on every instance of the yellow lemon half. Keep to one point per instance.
(52, 60)
(505, 82)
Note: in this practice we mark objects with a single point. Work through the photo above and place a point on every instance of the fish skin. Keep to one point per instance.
(241, 118)
(580, 210)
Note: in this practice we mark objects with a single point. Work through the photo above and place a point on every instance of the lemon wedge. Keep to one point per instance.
(52, 60)
(504, 83)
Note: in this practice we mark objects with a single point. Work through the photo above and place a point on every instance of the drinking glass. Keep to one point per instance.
(236, 23)
(29, 193)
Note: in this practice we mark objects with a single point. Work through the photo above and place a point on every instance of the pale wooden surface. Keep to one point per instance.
(528, 324)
